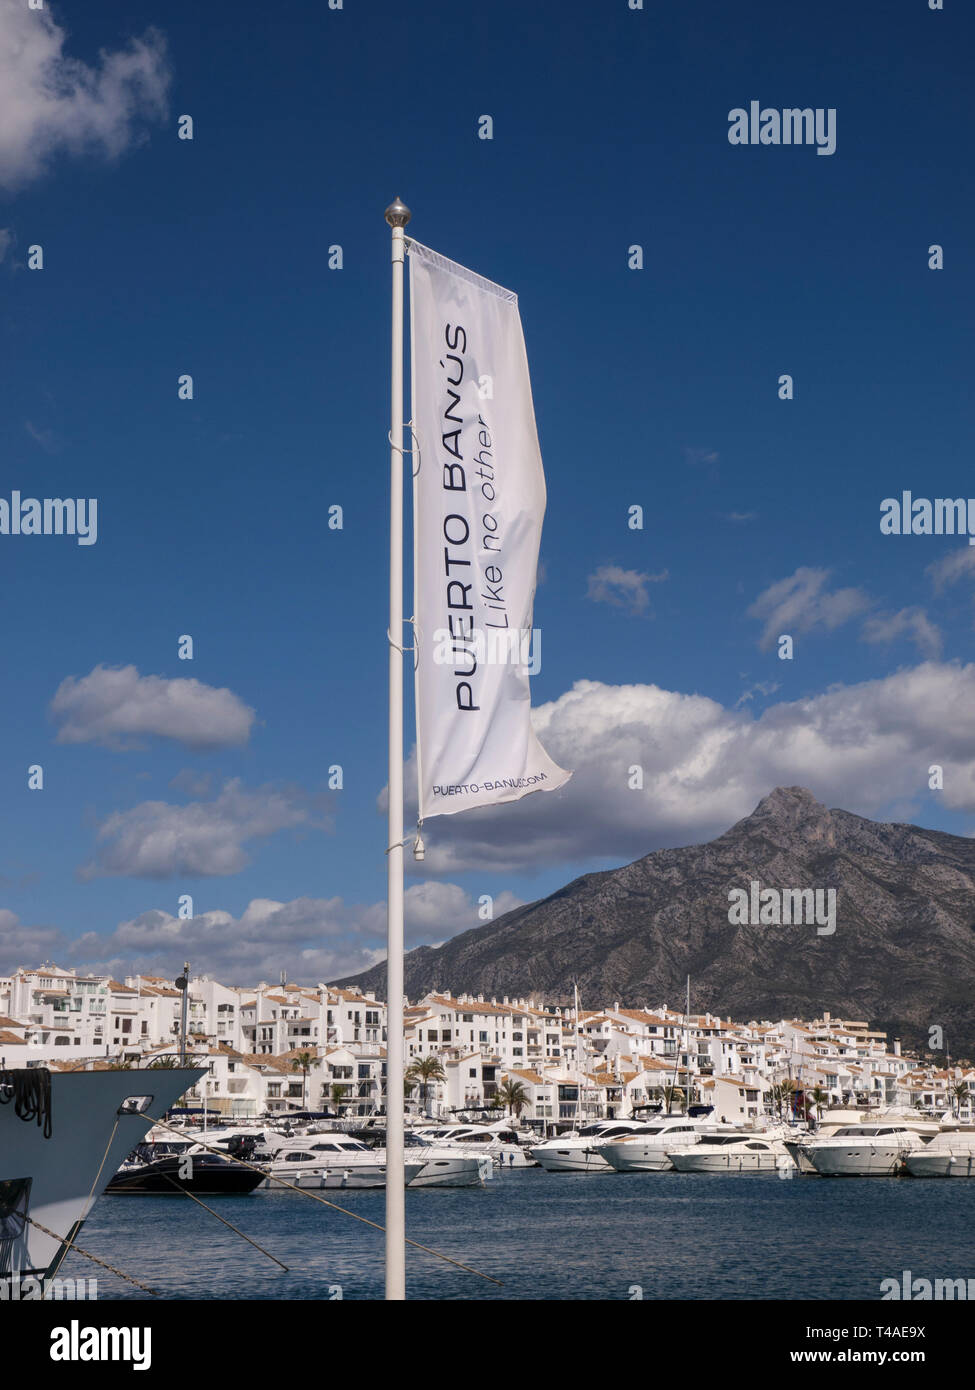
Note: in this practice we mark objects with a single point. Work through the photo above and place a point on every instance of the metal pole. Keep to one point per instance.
(184, 984)
(397, 215)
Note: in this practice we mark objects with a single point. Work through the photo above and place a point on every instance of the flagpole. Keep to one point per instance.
(397, 216)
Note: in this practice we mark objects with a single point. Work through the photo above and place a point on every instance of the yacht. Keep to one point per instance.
(732, 1153)
(443, 1166)
(580, 1151)
(62, 1136)
(329, 1160)
(862, 1150)
(842, 1117)
(832, 1121)
(498, 1140)
(162, 1170)
(648, 1151)
(950, 1154)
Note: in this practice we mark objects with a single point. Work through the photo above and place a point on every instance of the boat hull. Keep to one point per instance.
(730, 1163)
(568, 1160)
(452, 1171)
(89, 1140)
(799, 1158)
(637, 1158)
(209, 1177)
(940, 1165)
(886, 1161)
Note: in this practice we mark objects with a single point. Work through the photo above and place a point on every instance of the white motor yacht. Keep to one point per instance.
(732, 1153)
(950, 1154)
(443, 1166)
(862, 1150)
(580, 1151)
(331, 1160)
(647, 1151)
(497, 1140)
(841, 1117)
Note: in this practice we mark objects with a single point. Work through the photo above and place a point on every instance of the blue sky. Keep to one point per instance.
(656, 387)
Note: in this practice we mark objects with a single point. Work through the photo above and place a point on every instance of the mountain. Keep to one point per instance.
(902, 955)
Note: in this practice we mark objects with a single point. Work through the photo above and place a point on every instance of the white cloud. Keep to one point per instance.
(909, 622)
(52, 103)
(697, 457)
(47, 439)
(947, 571)
(622, 588)
(864, 747)
(24, 945)
(801, 602)
(763, 688)
(312, 938)
(116, 707)
(157, 839)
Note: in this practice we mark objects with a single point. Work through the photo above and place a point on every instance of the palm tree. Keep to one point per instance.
(782, 1095)
(960, 1093)
(302, 1063)
(422, 1071)
(672, 1094)
(817, 1098)
(513, 1096)
(338, 1092)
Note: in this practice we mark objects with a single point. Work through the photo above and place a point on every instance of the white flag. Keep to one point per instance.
(479, 499)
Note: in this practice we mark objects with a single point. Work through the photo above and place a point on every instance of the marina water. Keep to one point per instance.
(551, 1236)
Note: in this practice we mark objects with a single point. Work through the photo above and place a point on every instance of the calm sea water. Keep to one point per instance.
(552, 1236)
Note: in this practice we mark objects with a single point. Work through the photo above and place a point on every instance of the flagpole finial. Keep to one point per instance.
(398, 214)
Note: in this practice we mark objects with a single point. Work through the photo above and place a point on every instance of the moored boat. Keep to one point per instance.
(732, 1153)
(446, 1167)
(862, 1150)
(173, 1167)
(950, 1154)
(647, 1151)
(62, 1136)
(579, 1151)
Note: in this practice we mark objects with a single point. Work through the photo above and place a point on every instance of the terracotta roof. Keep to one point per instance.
(641, 1016)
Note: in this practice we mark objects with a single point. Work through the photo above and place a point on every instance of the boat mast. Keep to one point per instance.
(575, 987)
(687, 1047)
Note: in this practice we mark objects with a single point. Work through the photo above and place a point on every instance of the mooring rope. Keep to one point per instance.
(306, 1192)
(94, 1258)
(29, 1088)
(234, 1228)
